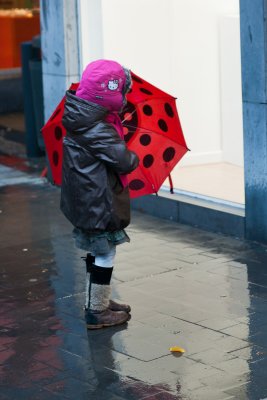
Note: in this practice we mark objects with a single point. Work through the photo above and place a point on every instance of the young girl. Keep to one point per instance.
(94, 192)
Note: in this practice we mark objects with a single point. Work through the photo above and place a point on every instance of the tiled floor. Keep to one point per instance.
(204, 292)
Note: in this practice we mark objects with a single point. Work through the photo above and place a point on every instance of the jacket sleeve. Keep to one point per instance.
(107, 146)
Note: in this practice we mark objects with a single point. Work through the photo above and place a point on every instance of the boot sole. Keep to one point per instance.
(121, 309)
(89, 326)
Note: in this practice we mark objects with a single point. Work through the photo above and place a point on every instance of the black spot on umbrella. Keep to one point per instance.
(55, 158)
(58, 133)
(55, 114)
(145, 139)
(130, 91)
(169, 110)
(137, 79)
(128, 136)
(163, 126)
(136, 184)
(130, 124)
(146, 91)
(147, 110)
(148, 161)
(168, 154)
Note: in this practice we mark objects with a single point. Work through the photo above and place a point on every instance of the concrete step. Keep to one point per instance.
(210, 214)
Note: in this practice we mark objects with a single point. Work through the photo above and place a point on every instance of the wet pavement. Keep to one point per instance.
(204, 292)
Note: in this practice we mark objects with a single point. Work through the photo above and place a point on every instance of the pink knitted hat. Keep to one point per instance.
(102, 83)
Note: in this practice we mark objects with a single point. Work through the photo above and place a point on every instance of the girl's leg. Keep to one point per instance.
(100, 277)
(99, 268)
(106, 260)
(99, 272)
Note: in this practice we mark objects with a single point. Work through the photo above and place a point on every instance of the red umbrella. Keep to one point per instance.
(152, 129)
(53, 132)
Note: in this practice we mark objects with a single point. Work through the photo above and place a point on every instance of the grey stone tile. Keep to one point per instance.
(145, 350)
(170, 324)
(194, 259)
(154, 375)
(165, 396)
(224, 381)
(235, 366)
(241, 331)
(209, 394)
(218, 323)
(212, 357)
(250, 353)
(240, 393)
(177, 365)
(229, 344)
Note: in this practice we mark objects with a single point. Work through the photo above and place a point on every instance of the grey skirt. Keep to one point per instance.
(98, 243)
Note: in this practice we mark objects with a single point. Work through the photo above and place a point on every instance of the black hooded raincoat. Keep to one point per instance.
(92, 196)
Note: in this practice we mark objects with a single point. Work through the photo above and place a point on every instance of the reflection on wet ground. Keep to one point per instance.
(204, 292)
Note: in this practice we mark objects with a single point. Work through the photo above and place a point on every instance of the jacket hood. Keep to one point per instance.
(81, 115)
(103, 82)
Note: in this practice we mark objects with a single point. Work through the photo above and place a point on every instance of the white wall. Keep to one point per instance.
(91, 31)
(175, 44)
(231, 90)
(196, 74)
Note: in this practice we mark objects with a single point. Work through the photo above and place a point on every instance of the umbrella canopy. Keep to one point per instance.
(53, 132)
(152, 129)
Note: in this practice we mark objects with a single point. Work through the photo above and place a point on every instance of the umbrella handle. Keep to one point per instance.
(171, 183)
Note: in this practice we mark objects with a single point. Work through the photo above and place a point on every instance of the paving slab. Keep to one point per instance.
(204, 292)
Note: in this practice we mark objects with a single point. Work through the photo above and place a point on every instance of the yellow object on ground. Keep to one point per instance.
(177, 349)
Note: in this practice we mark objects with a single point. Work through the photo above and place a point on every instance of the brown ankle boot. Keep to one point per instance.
(98, 315)
(114, 306)
(102, 319)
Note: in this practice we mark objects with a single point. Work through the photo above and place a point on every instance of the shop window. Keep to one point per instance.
(19, 22)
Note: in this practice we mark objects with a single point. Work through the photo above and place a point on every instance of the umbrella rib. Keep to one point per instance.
(144, 101)
(132, 113)
(150, 131)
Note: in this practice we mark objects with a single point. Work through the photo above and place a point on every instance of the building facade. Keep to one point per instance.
(193, 51)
